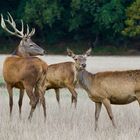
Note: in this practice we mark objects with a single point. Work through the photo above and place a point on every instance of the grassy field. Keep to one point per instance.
(67, 123)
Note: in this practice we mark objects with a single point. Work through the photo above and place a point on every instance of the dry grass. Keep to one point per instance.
(67, 123)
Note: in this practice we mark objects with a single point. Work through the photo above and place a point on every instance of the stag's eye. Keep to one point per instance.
(31, 45)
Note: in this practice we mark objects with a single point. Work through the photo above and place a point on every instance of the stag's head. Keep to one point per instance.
(80, 60)
(26, 47)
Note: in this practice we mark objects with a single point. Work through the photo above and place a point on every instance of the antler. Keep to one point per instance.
(16, 32)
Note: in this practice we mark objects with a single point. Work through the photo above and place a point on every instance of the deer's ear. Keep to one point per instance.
(70, 53)
(88, 52)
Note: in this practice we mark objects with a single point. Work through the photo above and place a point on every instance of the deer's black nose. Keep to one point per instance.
(84, 65)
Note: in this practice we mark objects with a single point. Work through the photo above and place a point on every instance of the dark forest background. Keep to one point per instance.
(110, 26)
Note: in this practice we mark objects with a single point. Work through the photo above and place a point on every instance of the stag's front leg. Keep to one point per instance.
(107, 105)
(97, 113)
(10, 91)
(20, 100)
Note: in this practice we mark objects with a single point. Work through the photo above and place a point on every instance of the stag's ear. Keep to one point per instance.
(88, 52)
(70, 53)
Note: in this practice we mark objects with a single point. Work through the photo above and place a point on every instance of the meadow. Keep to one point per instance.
(66, 122)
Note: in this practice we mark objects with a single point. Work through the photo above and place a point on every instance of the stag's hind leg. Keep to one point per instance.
(41, 93)
(36, 93)
(43, 102)
(97, 113)
(20, 100)
(10, 92)
(107, 105)
(33, 100)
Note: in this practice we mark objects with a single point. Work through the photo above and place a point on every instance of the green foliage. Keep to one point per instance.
(110, 16)
(59, 20)
(133, 20)
(81, 13)
(42, 12)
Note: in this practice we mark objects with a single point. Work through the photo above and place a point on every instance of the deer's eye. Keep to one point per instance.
(31, 45)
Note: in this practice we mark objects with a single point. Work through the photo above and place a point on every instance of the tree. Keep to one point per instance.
(47, 16)
(132, 22)
(110, 19)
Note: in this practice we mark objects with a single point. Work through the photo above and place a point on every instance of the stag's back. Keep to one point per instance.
(17, 69)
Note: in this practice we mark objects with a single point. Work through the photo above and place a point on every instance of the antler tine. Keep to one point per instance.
(10, 19)
(27, 30)
(12, 23)
(3, 25)
(2, 22)
(22, 27)
(32, 32)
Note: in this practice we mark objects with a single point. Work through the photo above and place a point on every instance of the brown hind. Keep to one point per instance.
(118, 87)
(62, 75)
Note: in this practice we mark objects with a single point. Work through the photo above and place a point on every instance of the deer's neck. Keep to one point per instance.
(20, 52)
(85, 79)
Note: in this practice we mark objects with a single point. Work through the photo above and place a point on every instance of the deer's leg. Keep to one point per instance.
(41, 91)
(57, 95)
(138, 99)
(10, 91)
(20, 100)
(107, 105)
(42, 100)
(72, 99)
(33, 100)
(97, 113)
(139, 105)
(74, 95)
(36, 93)
(42, 86)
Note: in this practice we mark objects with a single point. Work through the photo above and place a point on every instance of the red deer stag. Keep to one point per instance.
(119, 87)
(21, 70)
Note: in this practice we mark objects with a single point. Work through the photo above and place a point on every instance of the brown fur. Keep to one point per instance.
(62, 75)
(119, 87)
(23, 73)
